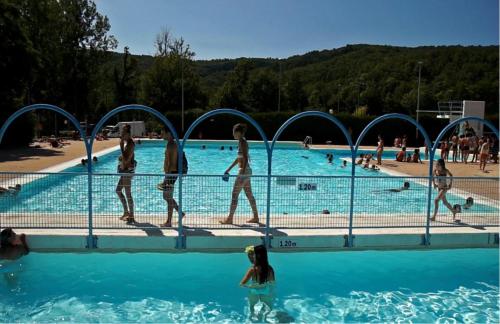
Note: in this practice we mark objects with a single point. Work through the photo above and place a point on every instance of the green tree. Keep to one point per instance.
(262, 91)
(295, 96)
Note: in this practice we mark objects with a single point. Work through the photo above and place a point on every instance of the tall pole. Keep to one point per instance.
(418, 94)
(279, 88)
(182, 95)
(338, 98)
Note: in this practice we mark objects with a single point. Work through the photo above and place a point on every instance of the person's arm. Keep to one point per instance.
(247, 277)
(166, 161)
(172, 159)
(232, 165)
(434, 179)
(244, 150)
(128, 153)
(451, 178)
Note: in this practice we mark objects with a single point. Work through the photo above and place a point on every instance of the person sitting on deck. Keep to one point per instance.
(360, 159)
(400, 157)
(11, 190)
(416, 156)
(12, 245)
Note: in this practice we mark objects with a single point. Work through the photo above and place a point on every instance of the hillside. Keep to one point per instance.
(384, 77)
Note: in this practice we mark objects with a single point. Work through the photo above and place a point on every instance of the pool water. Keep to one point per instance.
(356, 286)
(61, 193)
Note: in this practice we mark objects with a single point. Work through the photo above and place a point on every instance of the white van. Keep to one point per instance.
(137, 128)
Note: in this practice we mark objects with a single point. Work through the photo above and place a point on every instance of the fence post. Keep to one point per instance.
(268, 202)
(91, 242)
(351, 203)
(429, 198)
(181, 242)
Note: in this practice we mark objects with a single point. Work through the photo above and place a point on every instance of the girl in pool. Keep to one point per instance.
(441, 173)
(261, 275)
(126, 164)
(380, 149)
(243, 179)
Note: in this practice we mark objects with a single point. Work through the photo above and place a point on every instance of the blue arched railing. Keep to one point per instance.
(228, 111)
(172, 130)
(88, 150)
(88, 142)
(428, 143)
(347, 135)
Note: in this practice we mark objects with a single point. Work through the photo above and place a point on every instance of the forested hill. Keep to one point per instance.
(384, 77)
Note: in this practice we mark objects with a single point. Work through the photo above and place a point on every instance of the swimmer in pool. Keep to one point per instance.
(261, 278)
(12, 245)
(11, 190)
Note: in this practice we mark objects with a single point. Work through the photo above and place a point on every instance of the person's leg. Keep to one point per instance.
(234, 200)
(119, 189)
(379, 158)
(127, 183)
(448, 205)
(436, 204)
(252, 301)
(247, 186)
(168, 196)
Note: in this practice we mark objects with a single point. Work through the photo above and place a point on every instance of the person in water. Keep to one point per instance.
(243, 179)
(126, 167)
(11, 190)
(259, 278)
(441, 174)
(12, 245)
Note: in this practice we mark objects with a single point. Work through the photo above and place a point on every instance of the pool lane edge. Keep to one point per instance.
(220, 241)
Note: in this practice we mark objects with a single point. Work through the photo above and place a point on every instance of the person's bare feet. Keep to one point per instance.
(227, 221)
(124, 216)
(254, 220)
(433, 218)
(166, 224)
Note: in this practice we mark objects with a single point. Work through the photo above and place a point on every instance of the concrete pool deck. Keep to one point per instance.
(145, 237)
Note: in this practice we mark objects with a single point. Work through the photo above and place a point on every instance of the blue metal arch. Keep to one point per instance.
(431, 157)
(120, 109)
(227, 111)
(391, 116)
(56, 109)
(457, 122)
(317, 114)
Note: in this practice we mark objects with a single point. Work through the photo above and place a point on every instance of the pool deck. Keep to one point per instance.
(145, 236)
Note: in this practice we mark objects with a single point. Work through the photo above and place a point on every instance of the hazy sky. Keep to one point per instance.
(281, 28)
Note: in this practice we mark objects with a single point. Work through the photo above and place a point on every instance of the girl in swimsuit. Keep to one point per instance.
(126, 164)
(243, 179)
(380, 149)
(261, 275)
(439, 181)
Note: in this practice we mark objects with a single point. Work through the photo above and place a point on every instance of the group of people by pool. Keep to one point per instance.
(127, 165)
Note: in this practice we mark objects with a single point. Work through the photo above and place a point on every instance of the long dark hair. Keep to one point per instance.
(262, 264)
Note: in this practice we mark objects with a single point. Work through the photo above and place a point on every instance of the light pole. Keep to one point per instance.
(182, 95)
(279, 88)
(338, 98)
(418, 94)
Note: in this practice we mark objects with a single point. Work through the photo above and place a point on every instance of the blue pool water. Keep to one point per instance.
(369, 286)
(67, 193)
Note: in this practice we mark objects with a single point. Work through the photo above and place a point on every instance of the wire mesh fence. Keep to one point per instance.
(60, 200)
(44, 200)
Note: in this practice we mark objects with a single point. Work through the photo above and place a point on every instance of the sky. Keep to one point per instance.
(282, 28)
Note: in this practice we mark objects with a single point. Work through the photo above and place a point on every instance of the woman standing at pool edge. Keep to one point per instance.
(380, 149)
(440, 174)
(243, 178)
(126, 164)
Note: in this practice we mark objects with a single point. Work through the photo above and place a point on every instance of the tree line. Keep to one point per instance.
(61, 52)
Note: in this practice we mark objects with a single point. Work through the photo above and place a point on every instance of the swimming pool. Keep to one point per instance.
(369, 286)
(204, 192)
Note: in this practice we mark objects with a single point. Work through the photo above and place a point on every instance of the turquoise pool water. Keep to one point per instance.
(61, 193)
(443, 286)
